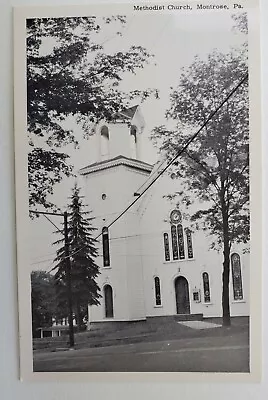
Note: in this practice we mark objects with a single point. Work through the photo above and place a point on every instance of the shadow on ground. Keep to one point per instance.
(142, 331)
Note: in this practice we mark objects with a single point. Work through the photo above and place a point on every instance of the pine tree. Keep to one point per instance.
(83, 253)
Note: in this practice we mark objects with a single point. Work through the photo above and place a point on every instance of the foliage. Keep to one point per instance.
(43, 298)
(69, 73)
(241, 23)
(83, 253)
(215, 167)
(45, 169)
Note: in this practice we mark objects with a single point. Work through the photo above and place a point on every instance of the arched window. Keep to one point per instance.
(237, 278)
(105, 247)
(181, 242)
(104, 140)
(108, 300)
(175, 217)
(189, 243)
(206, 287)
(177, 238)
(166, 247)
(133, 143)
(174, 239)
(157, 291)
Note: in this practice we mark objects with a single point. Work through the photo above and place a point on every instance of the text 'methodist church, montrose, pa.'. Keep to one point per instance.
(151, 263)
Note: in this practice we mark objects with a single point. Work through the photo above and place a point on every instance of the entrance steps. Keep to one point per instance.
(188, 317)
(109, 325)
(176, 317)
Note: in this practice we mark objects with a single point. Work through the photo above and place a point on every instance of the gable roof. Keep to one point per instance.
(127, 113)
(118, 160)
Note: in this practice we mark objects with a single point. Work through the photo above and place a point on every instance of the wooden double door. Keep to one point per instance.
(182, 295)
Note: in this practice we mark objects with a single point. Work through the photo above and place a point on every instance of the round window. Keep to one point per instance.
(175, 217)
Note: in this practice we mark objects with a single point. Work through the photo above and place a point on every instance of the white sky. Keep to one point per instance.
(175, 39)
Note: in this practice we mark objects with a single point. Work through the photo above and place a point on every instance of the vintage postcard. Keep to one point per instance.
(138, 191)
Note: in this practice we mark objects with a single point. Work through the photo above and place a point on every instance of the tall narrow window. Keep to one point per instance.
(157, 291)
(166, 247)
(105, 247)
(105, 141)
(174, 240)
(133, 138)
(108, 301)
(189, 243)
(181, 242)
(206, 287)
(237, 278)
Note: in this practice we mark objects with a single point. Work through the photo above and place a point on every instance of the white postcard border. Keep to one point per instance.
(20, 15)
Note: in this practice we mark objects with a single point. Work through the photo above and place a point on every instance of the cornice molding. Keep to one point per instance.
(135, 164)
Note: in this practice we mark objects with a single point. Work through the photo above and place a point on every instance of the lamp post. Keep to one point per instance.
(68, 271)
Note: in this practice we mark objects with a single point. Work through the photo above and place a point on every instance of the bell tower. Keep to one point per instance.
(111, 183)
(122, 136)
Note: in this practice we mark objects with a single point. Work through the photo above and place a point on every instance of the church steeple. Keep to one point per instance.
(122, 136)
(110, 184)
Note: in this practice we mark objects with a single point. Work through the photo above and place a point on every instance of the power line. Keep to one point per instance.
(157, 171)
(186, 145)
(41, 261)
(188, 142)
(58, 229)
(41, 256)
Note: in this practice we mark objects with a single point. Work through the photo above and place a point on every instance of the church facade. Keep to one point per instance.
(152, 263)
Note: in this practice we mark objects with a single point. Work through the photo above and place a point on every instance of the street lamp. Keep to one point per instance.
(68, 271)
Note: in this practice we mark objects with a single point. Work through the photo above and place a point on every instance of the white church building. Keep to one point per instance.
(151, 263)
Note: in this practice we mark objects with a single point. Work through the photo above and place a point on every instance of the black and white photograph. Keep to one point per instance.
(134, 185)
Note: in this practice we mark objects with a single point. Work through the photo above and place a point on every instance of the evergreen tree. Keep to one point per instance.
(83, 253)
(215, 167)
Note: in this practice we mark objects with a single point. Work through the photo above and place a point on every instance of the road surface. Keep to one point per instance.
(216, 354)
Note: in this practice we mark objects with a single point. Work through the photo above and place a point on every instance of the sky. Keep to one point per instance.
(174, 39)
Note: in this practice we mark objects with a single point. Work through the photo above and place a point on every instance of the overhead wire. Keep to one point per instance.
(58, 229)
(186, 145)
(41, 261)
(178, 154)
(156, 40)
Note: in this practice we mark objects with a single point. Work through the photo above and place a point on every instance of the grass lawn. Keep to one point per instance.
(142, 331)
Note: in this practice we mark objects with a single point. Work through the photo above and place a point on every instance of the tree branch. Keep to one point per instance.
(208, 173)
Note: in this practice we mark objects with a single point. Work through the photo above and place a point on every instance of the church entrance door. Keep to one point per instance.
(108, 298)
(182, 295)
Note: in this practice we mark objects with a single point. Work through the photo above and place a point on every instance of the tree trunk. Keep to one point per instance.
(226, 320)
(78, 316)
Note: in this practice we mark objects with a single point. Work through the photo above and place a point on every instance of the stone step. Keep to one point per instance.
(188, 317)
(176, 317)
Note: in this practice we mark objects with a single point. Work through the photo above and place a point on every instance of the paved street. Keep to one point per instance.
(214, 354)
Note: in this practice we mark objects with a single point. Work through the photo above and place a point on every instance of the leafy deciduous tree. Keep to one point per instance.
(43, 298)
(69, 73)
(215, 167)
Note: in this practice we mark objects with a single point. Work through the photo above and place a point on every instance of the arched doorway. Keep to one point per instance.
(182, 295)
(108, 299)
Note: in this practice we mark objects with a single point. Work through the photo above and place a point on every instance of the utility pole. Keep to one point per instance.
(69, 280)
(68, 271)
